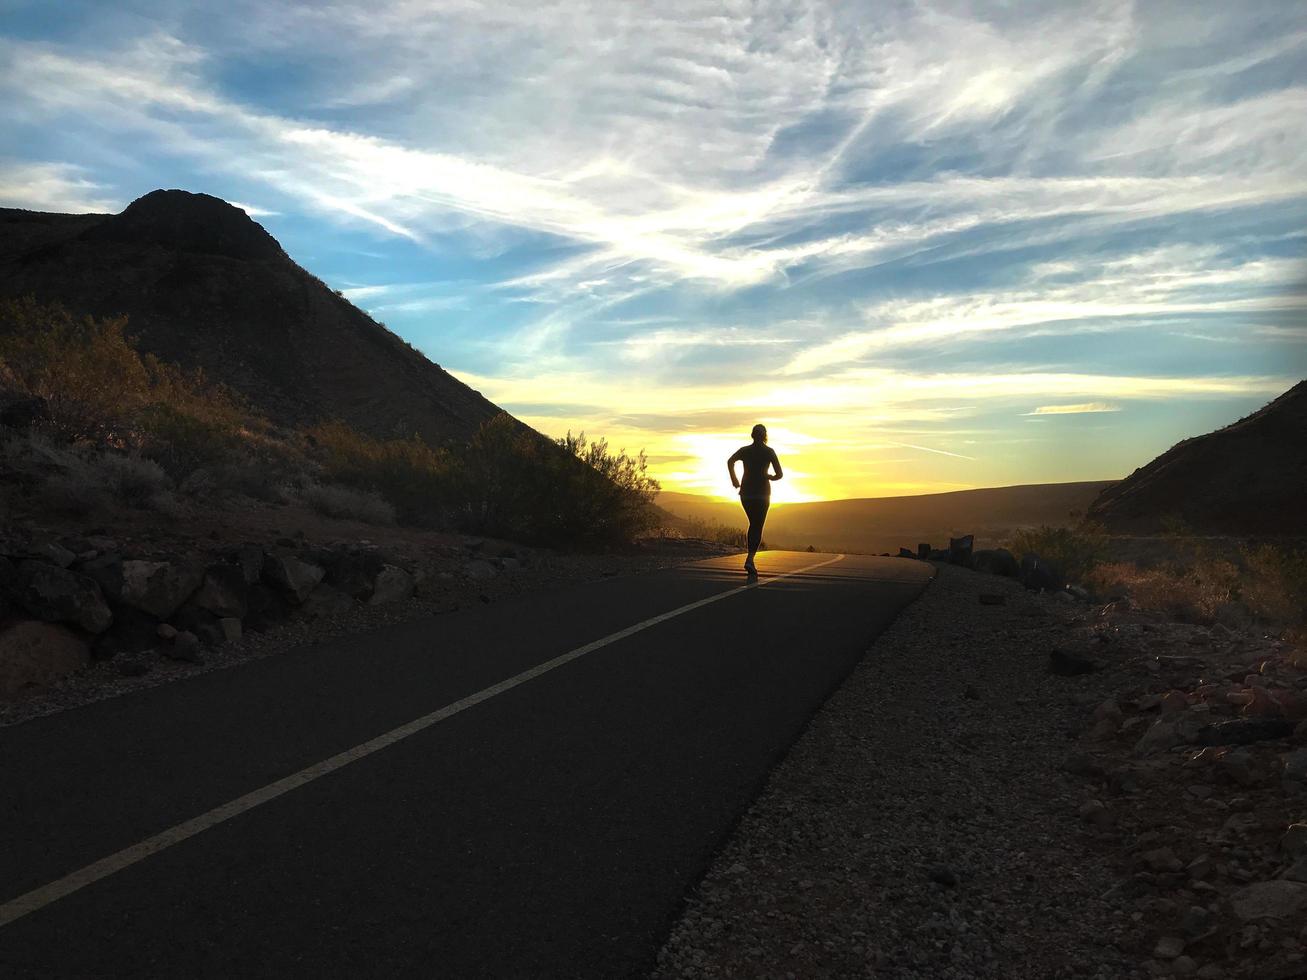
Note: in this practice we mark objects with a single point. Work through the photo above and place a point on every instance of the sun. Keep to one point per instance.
(700, 466)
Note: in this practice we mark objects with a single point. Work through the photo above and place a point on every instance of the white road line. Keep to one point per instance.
(45, 895)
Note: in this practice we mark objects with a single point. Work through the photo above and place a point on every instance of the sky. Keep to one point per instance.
(932, 246)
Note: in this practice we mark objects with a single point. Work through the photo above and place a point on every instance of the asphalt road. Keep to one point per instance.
(548, 826)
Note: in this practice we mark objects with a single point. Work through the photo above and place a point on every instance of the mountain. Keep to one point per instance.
(1248, 478)
(875, 524)
(207, 287)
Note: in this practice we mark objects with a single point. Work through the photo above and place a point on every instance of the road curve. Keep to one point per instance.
(522, 789)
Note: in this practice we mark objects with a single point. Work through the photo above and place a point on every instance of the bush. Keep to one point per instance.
(93, 482)
(734, 537)
(413, 477)
(342, 502)
(1194, 593)
(1275, 584)
(513, 484)
(1075, 550)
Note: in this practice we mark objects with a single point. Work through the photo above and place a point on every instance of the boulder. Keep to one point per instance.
(996, 561)
(924, 550)
(325, 601)
(907, 553)
(231, 629)
(158, 587)
(1269, 900)
(295, 578)
(1294, 775)
(1040, 575)
(1294, 841)
(1245, 731)
(58, 595)
(132, 631)
(1168, 732)
(267, 607)
(959, 550)
(355, 573)
(185, 647)
(34, 653)
(224, 591)
(479, 568)
(250, 560)
(392, 585)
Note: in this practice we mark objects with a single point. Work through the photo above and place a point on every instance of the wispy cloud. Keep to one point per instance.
(1083, 408)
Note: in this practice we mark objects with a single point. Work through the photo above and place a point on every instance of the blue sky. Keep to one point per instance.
(932, 246)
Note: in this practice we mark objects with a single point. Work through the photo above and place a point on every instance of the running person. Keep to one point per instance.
(755, 487)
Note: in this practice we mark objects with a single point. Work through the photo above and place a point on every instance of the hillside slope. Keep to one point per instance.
(205, 286)
(886, 523)
(1247, 478)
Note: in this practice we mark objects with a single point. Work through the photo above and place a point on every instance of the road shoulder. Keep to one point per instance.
(921, 826)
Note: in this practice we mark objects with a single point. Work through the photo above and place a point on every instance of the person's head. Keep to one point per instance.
(759, 433)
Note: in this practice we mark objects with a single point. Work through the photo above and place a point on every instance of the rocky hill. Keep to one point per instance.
(1247, 478)
(206, 286)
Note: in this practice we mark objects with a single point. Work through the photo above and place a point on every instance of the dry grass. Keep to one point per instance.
(342, 502)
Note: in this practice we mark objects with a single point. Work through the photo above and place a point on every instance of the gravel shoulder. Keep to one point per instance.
(923, 825)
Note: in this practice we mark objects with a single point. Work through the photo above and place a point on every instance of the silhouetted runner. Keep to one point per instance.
(755, 487)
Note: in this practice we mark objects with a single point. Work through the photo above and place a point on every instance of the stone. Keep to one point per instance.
(1269, 900)
(158, 587)
(165, 632)
(1040, 575)
(224, 591)
(1201, 867)
(186, 647)
(267, 607)
(992, 599)
(924, 550)
(1096, 813)
(392, 585)
(1160, 859)
(1210, 971)
(1237, 765)
(996, 561)
(295, 578)
(132, 631)
(1108, 709)
(1184, 966)
(355, 572)
(325, 601)
(479, 569)
(57, 595)
(960, 549)
(1167, 733)
(250, 560)
(1245, 731)
(231, 628)
(1296, 871)
(1064, 663)
(1168, 947)
(1294, 841)
(905, 553)
(50, 551)
(1173, 701)
(34, 653)
(1295, 768)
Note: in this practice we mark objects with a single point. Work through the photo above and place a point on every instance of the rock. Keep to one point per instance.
(1184, 966)
(1160, 859)
(50, 551)
(326, 600)
(1237, 766)
(1166, 733)
(1173, 701)
(1064, 663)
(355, 573)
(923, 551)
(1201, 867)
(267, 607)
(158, 587)
(1081, 764)
(479, 569)
(1079, 593)
(224, 591)
(996, 561)
(1294, 841)
(231, 628)
(295, 578)
(1040, 575)
(1294, 775)
(1269, 900)
(959, 550)
(132, 631)
(905, 553)
(942, 875)
(392, 585)
(250, 560)
(58, 595)
(1210, 972)
(1296, 871)
(1064, 597)
(1245, 731)
(132, 666)
(1095, 813)
(165, 632)
(1168, 947)
(34, 653)
(992, 599)
(185, 646)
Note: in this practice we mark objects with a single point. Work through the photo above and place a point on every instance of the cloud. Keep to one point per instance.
(1083, 408)
(48, 186)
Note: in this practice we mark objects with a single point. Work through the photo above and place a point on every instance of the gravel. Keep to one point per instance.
(922, 826)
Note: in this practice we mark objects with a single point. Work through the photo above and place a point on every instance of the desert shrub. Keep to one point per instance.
(91, 379)
(735, 537)
(91, 481)
(1192, 592)
(1075, 550)
(413, 477)
(343, 502)
(183, 442)
(514, 484)
(129, 479)
(1274, 585)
